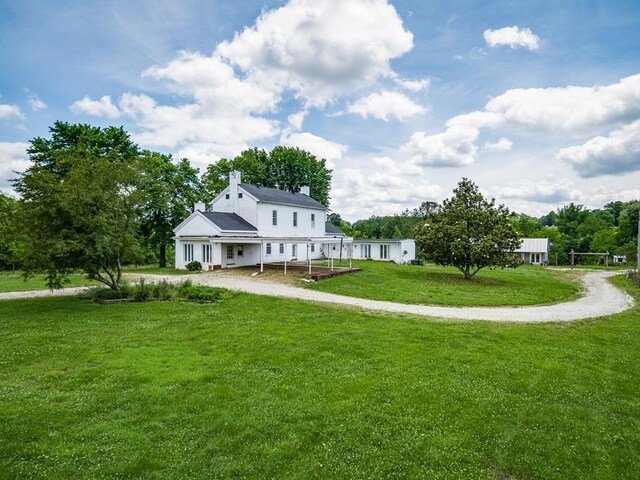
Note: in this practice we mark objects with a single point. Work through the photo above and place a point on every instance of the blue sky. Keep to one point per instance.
(537, 102)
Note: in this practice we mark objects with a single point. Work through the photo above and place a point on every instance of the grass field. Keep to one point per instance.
(14, 282)
(258, 387)
(432, 285)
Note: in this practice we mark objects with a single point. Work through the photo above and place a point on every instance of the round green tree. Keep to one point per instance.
(469, 233)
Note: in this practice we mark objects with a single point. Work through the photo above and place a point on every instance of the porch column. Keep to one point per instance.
(285, 258)
(309, 259)
(350, 256)
(261, 255)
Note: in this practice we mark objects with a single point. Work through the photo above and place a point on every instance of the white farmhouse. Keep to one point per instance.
(534, 251)
(385, 249)
(251, 225)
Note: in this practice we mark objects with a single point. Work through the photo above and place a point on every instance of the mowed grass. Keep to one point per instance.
(433, 285)
(259, 387)
(15, 282)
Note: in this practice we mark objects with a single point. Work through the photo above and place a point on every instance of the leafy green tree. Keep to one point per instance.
(605, 240)
(524, 224)
(9, 247)
(469, 233)
(78, 206)
(285, 168)
(168, 192)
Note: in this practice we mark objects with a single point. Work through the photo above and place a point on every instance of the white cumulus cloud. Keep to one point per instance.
(103, 107)
(10, 111)
(13, 158)
(413, 85)
(514, 37)
(502, 145)
(617, 153)
(454, 147)
(320, 50)
(318, 146)
(386, 104)
(544, 191)
(34, 102)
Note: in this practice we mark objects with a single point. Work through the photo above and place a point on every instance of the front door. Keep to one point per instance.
(535, 258)
(230, 257)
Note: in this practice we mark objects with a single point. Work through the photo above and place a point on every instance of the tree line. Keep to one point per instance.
(92, 200)
(612, 228)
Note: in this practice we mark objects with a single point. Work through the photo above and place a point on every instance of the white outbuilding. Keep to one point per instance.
(534, 251)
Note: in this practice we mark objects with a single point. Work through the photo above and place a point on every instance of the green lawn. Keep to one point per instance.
(14, 282)
(432, 285)
(259, 387)
(152, 269)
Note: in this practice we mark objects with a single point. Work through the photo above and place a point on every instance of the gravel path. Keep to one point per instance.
(601, 298)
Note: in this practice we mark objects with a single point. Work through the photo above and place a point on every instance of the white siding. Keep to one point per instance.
(285, 226)
(197, 226)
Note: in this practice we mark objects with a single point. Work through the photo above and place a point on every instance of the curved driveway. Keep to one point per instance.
(600, 298)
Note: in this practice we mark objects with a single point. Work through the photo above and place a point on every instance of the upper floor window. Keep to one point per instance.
(295, 219)
(274, 217)
(239, 194)
(227, 196)
(313, 220)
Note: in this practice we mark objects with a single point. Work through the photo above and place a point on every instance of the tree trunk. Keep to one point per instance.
(163, 255)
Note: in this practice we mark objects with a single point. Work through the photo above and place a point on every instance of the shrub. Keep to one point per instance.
(163, 290)
(198, 293)
(141, 292)
(194, 266)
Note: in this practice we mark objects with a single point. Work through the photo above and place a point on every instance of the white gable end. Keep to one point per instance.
(197, 225)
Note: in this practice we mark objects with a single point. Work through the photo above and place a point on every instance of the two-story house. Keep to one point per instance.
(252, 225)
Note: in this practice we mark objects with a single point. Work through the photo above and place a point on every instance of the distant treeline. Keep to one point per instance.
(613, 228)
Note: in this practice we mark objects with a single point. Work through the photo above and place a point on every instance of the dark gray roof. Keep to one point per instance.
(229, 221)
(331, 229)
(273, 195)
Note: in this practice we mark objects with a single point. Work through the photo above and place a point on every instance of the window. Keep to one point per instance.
(295, 219)
(384, 251)
(293, 250)
(268, 249)
(227, 196)
(240, 250)
(313, 247)
(188, 252)
(313, 220)
(281, 249)
(239, 194)
(274, 217)
(365, 250)
(206, 253)
(229, 252)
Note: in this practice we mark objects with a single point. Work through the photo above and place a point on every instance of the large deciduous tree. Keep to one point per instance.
(469, 233)
(285, 168)
(168, 192)
(79, 204)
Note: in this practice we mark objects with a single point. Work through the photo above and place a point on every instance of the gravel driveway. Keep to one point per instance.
(601, 298)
